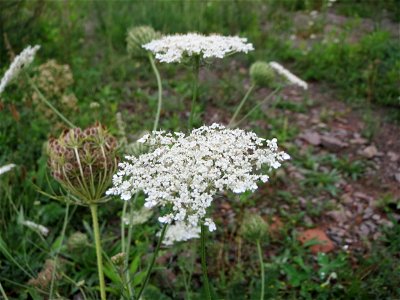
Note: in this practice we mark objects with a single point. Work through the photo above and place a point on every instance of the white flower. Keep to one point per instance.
(172, 48)
(138, 217)
(180, 232)
(184, 172)
(21, 61)
(6, 168)
(37, 227)
(288, 75)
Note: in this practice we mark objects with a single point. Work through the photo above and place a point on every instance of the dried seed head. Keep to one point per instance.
(118, 259)
(262, 74)
(137, 37)
(83, 161)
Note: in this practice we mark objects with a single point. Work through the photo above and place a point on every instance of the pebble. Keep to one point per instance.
(364, 230)
(376, 217)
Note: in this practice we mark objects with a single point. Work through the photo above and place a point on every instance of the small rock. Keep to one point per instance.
(338, 215)
(393, 156)
(326, 245)
(358, 141)
(369, 152)
(362, 196)
(312, 138)
(376, 217)
(364, 230)
(332, 143)
(346, 198)
(368, 213)
(397, 177)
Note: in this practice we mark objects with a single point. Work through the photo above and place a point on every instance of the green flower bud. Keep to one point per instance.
(77, 240)
(137, 37)
(254, 228)
(262, 74)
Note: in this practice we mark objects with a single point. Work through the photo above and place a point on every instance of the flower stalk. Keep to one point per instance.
(204, 262)
(153, 259)
(47, 102)
(159, 85)
(260, 257)
(246, 96)
(195, 89)
(96, 231)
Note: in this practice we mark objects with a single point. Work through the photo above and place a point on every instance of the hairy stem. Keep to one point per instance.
(204, 262)
(260, 257)
(45, 101)
(159, 84)
(96, 230)
(241, 104)
(153, 259)
(195, 89)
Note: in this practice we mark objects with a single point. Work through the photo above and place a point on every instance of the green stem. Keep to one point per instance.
(53, 275)
(260, 256)
(153, 259)
(256, 107)
(3, 293)
(241, 104)
(159, 84)
(195, 89)
(43, 98)
(93, 209)
(204, 262)
(128, 246)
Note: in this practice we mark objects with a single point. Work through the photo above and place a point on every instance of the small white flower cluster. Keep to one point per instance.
(138, 217)
(172, 48)
(21, 61)
(288, 75)
(37, 227)
(184, 172)
(6, 168)
(180, 232)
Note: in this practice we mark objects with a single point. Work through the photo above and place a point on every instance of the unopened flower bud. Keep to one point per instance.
(262, 74)
(77, 240)
(254, 228)
(137, 37)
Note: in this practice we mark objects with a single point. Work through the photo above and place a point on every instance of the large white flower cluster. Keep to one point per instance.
(21, 61)
(180, 232)
(6, 168)
(183, 172)
(288, 75)
(172, 48)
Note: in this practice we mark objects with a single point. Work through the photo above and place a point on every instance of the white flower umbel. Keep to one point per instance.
(288, 75)
(184, 172)
(180, 232)
(6, 168)
(172, 48)
(20, 62)
(37, 227)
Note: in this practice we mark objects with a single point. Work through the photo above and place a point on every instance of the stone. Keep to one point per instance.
(331, 143)
(364, 230)
(358, 141)
(397, 177)
(370, 151)
(393, 156)
(325, 244)
(313, 138)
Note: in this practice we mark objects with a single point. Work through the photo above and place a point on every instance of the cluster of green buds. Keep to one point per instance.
(262, 74)
(83, 162)
(138, 36)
